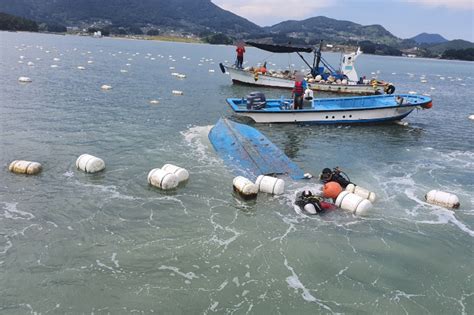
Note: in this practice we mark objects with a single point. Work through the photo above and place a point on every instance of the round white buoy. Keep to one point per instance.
(24, 80)
(471, 117)
(176, 92)
(106, 87)
(361, 192)
(353, 203)
(271, 185)
(30, 63)
(154, 102)
(81, 68)
(181, 173)
(90, 164)
(244, 187)
(211, 70)
(25, 167)
(442, 198)
(162, 179)
(181, 76)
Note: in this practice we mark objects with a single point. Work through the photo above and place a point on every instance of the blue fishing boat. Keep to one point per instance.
(249, 153)
(345, 110)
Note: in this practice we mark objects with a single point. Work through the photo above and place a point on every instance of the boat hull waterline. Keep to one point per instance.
(353, 110)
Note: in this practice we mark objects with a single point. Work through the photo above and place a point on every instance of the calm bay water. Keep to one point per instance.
(109, 243)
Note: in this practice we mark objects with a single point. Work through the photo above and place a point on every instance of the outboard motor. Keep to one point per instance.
(335, 175)
(256, 100)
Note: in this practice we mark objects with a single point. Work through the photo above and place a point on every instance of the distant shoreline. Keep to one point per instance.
(162, 38)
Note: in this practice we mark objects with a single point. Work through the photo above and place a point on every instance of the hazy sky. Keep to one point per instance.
(453, 19)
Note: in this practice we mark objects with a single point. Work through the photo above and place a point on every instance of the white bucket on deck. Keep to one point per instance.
(353, 203)
(245, 187)
(442, 198)
(362, 192)
(271, 185)
(162, 179)
(25, 167)
(90, 164)
(308, 94)
(181, 173)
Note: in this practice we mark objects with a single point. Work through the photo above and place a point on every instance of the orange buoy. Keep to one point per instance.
(331, 190)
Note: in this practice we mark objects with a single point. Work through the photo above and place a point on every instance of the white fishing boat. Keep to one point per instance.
(320, 78)
(343, 110)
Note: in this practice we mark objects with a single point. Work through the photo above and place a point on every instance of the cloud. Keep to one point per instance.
(264, 11)
(450, 4)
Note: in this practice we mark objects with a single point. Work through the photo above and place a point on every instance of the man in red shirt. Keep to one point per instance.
(240, 56)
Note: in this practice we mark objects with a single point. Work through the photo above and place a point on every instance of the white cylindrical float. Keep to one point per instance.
(362, 192)
(162, 179)
(25, 167)
(90, 164)
(24, 80)
(471, 117)
(181, 173)
(353, 203)
(176, 92)
(271, 185)
(244, 187)
(442, 198)
(106, 87)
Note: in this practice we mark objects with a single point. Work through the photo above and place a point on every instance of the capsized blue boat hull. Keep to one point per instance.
(344, 110)
(249, 153)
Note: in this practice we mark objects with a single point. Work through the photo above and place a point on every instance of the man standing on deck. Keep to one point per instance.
(240, 55)
(298, 91)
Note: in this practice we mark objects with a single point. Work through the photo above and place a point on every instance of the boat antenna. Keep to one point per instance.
(317, 59)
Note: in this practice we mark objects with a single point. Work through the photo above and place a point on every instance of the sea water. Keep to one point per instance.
(78, 243)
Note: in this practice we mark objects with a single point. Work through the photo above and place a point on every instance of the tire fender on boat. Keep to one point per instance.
(222, 67)
(390, 89)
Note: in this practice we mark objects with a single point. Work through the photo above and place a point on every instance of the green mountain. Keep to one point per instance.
(10, 22)
(334, 31)
(451, 45)
(187, 15)
(425, 38)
